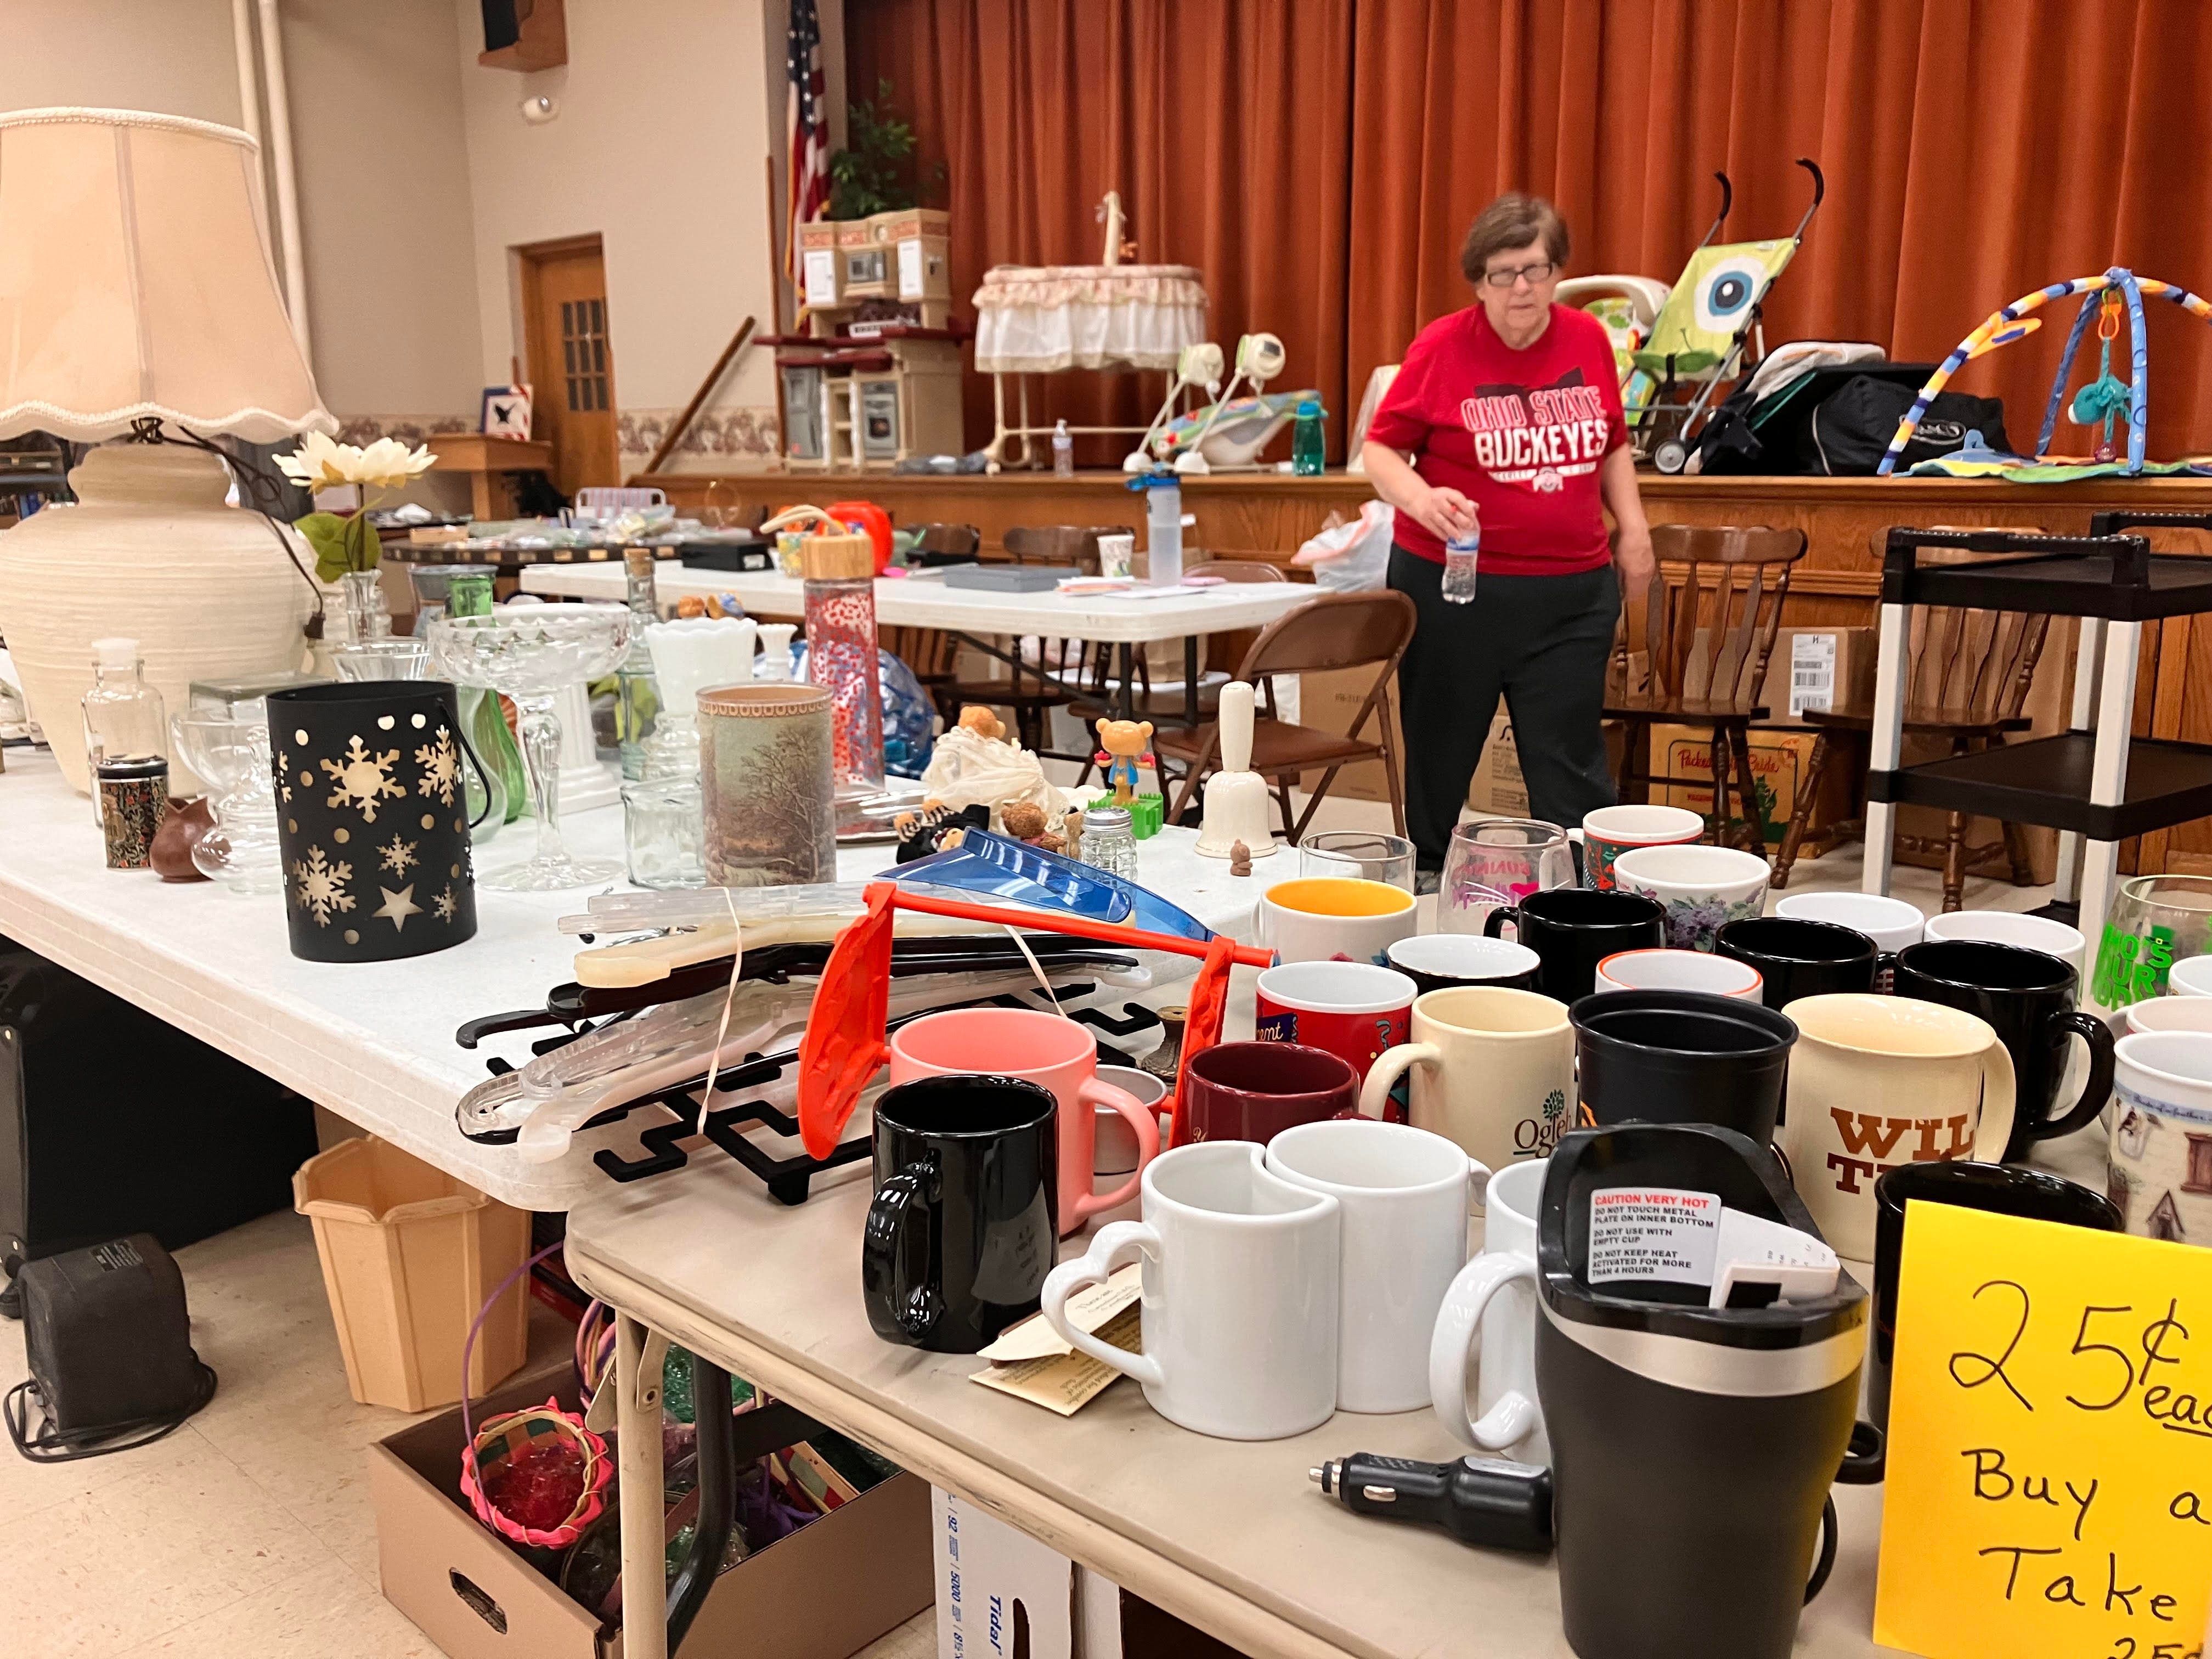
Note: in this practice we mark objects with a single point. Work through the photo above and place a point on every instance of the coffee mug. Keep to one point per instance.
(960, 1235)
(1241, 1271)
(1702, 888)
(1492, 1070)
(1333, 919)
(1681, 1057)
(1891, 923)
(1571, 930)
(2026, 997)
(1433, 961)
(1611, 830)
(1493, 1304)
(1353, 1009)
(1493, 861)
(2160, 1167)
(1044, 1049)
(1799, 957)
(2191, 977)
(2176, 1013)
(1256, 1090)
(2012, 928)
(1998, 1188)
(1115, 1156)
(1403, 1193)
(1877, 1082)
(1678, 970)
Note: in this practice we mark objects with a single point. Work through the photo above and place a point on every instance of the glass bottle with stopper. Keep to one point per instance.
(125, 727)
(838, 566)
(637, 699)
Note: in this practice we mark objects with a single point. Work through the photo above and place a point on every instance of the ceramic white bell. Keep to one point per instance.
(1237, 805)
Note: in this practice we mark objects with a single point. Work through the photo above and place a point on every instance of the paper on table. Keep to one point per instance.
(1179, 592)
(1066, 1382)
(1035, 1337)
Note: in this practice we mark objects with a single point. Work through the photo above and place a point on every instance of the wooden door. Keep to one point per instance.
(572, 366)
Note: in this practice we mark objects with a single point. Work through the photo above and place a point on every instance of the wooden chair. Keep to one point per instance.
(1061, 544)
(945, 543)
(1168, 705)
(1330, 631)
(1708, 623)
(1970, 675)
(1043, 673)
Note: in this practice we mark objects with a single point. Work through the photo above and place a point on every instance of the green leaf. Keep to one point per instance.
(326, 534)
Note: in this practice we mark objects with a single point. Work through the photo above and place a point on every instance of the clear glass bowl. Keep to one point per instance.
(392, 657)
(531, 653)
(229, 749)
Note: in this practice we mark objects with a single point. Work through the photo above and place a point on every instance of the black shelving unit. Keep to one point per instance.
(2114, 583)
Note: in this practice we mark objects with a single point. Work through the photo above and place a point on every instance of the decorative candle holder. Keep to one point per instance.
(770, 797)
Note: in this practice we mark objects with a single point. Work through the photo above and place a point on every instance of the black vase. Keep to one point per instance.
(371, 819)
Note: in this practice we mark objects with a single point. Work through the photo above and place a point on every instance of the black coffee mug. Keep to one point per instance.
(1801, 959)
(966, 1217)
(2028, 998)
(1681, 1057)
(1572, 929)
(1999, 1188)
(372, 819)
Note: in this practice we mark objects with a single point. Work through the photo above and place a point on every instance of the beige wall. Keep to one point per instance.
(660, 145)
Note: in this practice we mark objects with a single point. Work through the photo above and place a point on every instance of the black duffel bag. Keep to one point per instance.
(1851, 429)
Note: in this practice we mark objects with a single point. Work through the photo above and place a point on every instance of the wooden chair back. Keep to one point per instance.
(947, 542)
(1061, 544)
(1724, 584)
(1974, 668)
(1236, 570)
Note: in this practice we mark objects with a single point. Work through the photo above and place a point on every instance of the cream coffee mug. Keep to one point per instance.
(1492, 1070)
(1876, 1082)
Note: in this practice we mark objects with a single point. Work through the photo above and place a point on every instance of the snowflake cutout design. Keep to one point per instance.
(445, 904)
(321, 885)
(361, 778)
(284, 777)
(396, 855)
(441, 767)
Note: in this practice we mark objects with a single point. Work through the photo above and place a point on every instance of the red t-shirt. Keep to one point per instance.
(1520, 433)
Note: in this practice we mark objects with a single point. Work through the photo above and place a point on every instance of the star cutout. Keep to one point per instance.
(397, 907)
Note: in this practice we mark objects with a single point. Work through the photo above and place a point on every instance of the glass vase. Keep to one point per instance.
(361, 593)
(841, 659)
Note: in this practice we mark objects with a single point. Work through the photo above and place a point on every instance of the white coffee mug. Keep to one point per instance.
(1702, 888)
(1493, 1072)
(1876, 1082)
(2174, 1013)
(1333, 919)
(2191, 977)
(2053, 939)
(2160, 1172)
(1891, 923)
(1240, 1294)
(1491, 1310)
(1679, 970)
(1609, 831)
(1404, 1195)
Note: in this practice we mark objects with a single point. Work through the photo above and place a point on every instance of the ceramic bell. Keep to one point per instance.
(1237, 805)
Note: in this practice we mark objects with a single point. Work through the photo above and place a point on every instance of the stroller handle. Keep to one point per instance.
(1820, 190)
(1727, 200)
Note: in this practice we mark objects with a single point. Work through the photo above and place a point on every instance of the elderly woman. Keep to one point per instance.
(1510, 413)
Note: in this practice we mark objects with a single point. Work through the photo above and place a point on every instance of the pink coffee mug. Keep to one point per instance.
(1353, 1009)
(1044, 1049)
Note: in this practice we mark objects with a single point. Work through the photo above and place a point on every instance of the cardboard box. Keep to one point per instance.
(1817, 668)
(1329, 702)
(1499, 788)
(1779, 761)
(825, 1592)
(1002, 1593)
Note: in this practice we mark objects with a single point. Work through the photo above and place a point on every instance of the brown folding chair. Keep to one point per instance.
(1708, 623)
(1330, 631)
(1052, 672)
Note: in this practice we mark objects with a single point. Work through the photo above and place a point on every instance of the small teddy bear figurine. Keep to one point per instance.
(973, 717)
(1025, 822)
(1240, 859)
(1123, 746)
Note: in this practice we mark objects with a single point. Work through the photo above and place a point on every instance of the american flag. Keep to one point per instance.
(806, 134)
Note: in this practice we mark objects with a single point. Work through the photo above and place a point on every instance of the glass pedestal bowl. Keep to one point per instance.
(230, 752)
(531, 653)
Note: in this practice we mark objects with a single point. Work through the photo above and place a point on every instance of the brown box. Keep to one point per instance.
(1330, 702)
(1499, 788)
(899, 224)
(825, 1592)
(1827, 667)
(1779, 761)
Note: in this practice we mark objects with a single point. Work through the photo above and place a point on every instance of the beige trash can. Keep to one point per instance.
(408, 1256)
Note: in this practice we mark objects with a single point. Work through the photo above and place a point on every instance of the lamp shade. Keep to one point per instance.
(135, 281)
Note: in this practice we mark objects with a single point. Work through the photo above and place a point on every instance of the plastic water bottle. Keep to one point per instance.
(1063, 451)
(1459, 568)
(1306, 440)
(1164, 531)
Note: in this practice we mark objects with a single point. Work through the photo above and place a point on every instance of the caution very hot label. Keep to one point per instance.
(1653, 1232)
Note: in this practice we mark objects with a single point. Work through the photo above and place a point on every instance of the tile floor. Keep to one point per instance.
(249, 1530)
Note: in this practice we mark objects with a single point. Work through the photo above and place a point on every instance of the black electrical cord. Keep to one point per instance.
(52, 1445)
(259, 486)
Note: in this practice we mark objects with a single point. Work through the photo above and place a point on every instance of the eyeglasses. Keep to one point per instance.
(1537, 273)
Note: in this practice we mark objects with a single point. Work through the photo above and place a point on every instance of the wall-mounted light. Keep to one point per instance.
(540, 109)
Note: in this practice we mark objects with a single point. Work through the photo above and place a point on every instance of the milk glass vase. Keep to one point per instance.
(664, 810)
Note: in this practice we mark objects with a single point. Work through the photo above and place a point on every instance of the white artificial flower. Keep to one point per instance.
(320, 463)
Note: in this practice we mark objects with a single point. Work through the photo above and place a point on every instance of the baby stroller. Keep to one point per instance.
(1697, 343)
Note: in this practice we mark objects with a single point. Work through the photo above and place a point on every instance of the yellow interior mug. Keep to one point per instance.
(1334, 919)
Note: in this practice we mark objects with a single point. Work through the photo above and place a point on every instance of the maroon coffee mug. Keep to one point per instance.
(1255, 1091)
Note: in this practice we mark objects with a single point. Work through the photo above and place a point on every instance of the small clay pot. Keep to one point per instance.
(181, 828)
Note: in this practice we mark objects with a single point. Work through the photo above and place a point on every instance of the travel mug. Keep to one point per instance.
(2026, 997)
(1681, 1057)
(1798, 957)
(962, 1231)
(1404, 1195)
(1572, 929)
(1240, 1294)
(1490, 1310)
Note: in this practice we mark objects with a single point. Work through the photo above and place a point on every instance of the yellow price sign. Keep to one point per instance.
(2049, 1481)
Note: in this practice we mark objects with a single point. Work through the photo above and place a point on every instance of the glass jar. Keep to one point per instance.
(664, 832)
(123, 717)
(1109, 841)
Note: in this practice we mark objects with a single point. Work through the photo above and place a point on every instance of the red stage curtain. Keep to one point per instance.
(1319, 160)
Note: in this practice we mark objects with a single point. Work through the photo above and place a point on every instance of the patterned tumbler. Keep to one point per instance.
(765, 762)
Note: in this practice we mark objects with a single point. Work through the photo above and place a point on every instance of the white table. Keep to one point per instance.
(374, 1041)
(975, 614)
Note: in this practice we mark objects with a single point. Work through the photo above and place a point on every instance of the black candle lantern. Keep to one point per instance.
(372, 819)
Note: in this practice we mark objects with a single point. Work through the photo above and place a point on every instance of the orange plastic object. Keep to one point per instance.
(1201, 1030)
(867, 517)
(844, 1041)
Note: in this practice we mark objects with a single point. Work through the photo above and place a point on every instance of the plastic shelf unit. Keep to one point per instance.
(2089, 782)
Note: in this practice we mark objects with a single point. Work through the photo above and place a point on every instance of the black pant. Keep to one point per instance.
(1540, 641)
